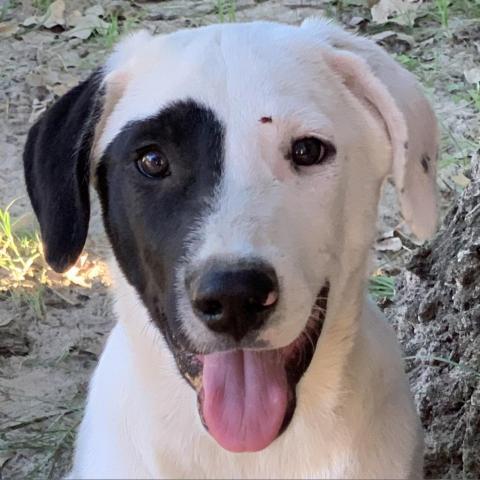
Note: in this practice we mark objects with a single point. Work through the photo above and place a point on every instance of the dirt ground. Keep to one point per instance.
(437, 316)
(52, 328)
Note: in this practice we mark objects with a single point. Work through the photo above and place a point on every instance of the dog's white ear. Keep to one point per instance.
(378, 81)
(116, 76)
(126, 49)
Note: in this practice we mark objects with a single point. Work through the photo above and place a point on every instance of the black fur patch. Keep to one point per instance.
(56, 162)
(149, 219)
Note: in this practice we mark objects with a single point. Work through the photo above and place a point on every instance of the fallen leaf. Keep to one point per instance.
(402, 12)
(88, 24)
(353, 3)
(461, 180)
(4, 458)
(59, 90)
(38, 107)
(73, 19)
(96, 10)
(7, 29)
(404, 233)
(35, 79)
(356, 21)
(30, 21)
(54, 15)
(389, 37)
(472, 75)
(70, 58)
(3, 323)
(75, 278)
(392, 244)
(38, 37)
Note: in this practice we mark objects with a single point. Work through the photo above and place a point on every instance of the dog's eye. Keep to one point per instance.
(152, 163)
(309, 151)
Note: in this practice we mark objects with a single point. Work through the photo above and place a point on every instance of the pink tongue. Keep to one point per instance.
(244, 398)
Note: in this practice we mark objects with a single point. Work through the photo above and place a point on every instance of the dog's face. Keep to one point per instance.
(226, 160)
(248, 180)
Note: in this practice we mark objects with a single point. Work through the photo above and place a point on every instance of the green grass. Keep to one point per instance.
(443, 11)
(381, 287)
(115, 28)
(6, 6)
(22, 268)
(443, 7)
(112, 33)
(474, 94)
(456, 151)
(32, 297)
(446, 361)
(470, 8)
(410, 63)
(20, 251)
(42, 5)
(226, 11)
(46, 441)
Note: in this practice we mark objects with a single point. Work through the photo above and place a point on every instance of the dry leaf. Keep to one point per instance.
(4, 458)
(96, 10)
(392, 244)
(73, 19)
(59, 90)
(76, 279)
(70, 58)
(472, 75)
(389, 37)
(357, 21)
(3, 323)
(86, 25)
(55, 15)
(402, 12)
(461, 180)
(30, 21)
(405, 234)
(38, 107)
(7, 29)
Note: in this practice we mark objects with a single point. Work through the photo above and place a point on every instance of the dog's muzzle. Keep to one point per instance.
(246, 397)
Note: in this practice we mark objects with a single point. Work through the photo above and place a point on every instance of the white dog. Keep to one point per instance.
(239, 169)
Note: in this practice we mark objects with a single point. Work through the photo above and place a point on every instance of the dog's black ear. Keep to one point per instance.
(57, 171)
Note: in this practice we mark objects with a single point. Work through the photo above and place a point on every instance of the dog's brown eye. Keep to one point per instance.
(308, 151)
(152, 163)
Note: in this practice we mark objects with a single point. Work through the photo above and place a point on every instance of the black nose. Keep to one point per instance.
(233, 298)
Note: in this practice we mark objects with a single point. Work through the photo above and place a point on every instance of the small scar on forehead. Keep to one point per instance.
(266, 120)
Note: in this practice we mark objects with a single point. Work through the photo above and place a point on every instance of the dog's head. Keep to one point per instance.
(239, 169)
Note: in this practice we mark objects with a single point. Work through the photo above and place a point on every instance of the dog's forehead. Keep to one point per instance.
(260, 70)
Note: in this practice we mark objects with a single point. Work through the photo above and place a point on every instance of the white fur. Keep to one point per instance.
(354, 416)
(141, 419)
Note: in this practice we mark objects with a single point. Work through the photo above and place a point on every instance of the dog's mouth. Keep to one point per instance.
(247, 398)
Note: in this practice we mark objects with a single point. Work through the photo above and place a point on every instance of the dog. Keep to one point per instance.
(239, 169)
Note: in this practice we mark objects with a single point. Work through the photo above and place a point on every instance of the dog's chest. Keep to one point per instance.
(165, 437)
